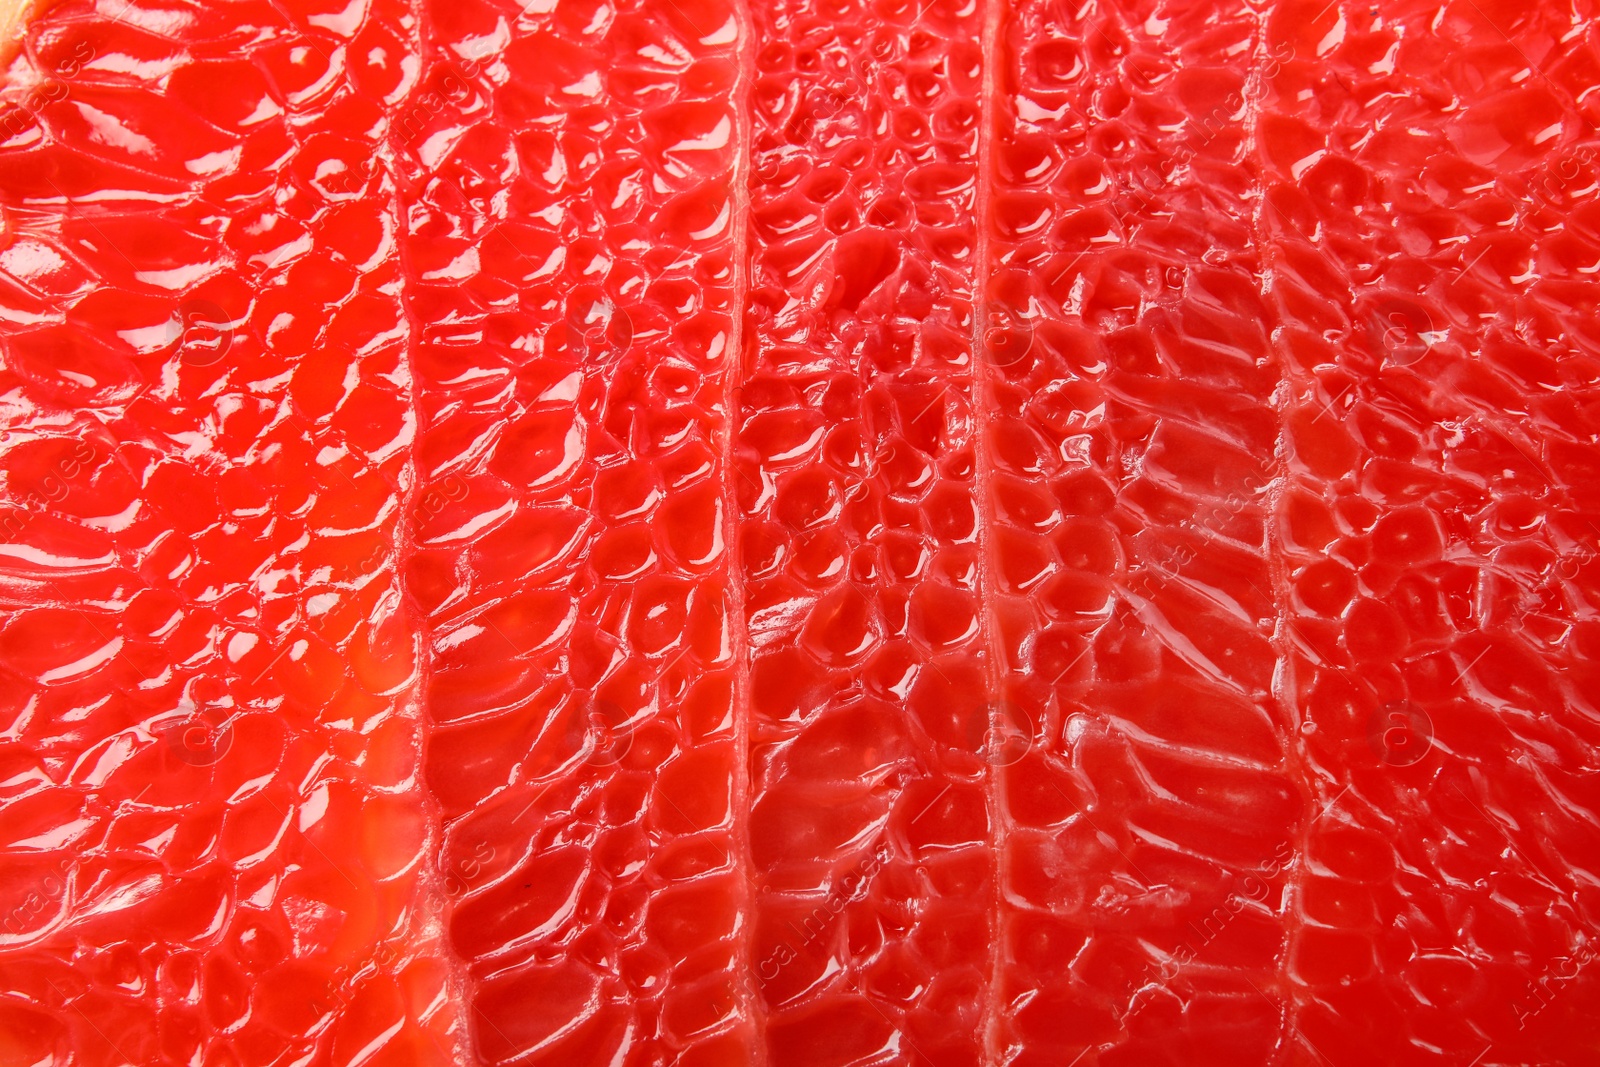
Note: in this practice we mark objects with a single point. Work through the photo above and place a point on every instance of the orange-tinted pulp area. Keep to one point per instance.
(689, 532)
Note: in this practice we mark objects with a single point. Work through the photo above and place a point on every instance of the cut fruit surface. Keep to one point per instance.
(214, 841)
(1436, 541)
(813, 533)
(569, 226)
(859, 537)
(1132, 383)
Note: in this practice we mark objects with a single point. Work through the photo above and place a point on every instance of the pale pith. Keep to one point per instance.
(13, 19)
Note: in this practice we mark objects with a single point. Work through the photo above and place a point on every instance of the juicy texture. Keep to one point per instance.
(1132, 387)
(856, 468)
(569, 226)
(800, 533)
(1433, 524)
(214, 835)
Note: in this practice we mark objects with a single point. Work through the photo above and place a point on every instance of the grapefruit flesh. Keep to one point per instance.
(800, 533)
(215, 839)
(569, 225)
(857, 463)
(1436, 526)
(1132, 381)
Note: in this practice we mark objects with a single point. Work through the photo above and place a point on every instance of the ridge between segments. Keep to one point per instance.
(431, 878)
(993, 13)
(749, 1004)
(1283, 687)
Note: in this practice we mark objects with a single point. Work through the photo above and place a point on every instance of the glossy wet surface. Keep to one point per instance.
(801, 534)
